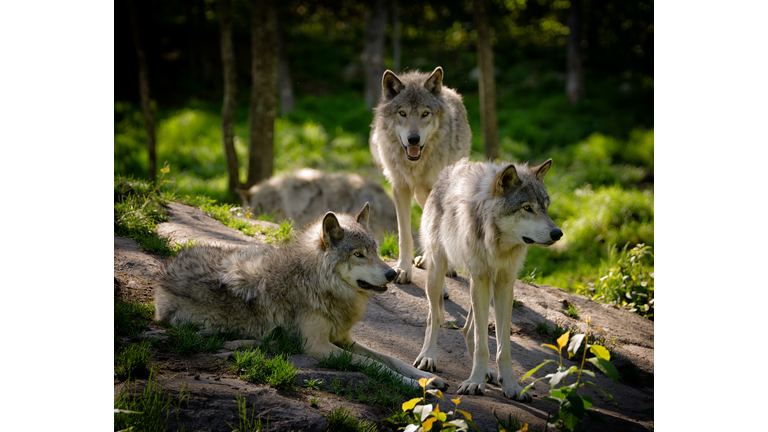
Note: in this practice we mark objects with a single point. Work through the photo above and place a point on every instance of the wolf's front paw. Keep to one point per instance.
(439, 384)
(426, 363)
(420, 262)
(492, 377)
(471, 388)
(516, 393)
(403, 276)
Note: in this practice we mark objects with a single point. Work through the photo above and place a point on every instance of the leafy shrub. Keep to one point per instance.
(628, 280)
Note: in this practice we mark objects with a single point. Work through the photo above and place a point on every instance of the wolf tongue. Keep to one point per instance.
(413, 151)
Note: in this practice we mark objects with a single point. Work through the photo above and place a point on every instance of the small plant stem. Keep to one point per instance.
(583, 357)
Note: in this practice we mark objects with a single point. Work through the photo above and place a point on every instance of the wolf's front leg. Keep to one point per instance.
(503, 297)
(411, 375)
(427, 359)
(402, 196)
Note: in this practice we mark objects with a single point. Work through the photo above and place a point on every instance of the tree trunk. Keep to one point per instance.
(146, 107)
(230, 93)
(287, 102)
(486, 80)
(574, 85)
(373, 55)
(396, 36)
(264, 66)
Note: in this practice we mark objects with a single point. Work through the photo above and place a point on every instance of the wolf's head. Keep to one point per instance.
(412, 102)
(355, 251)
(522, 203)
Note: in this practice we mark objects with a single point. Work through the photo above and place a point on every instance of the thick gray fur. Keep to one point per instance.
(482, 217)
(317, 286)
(416, 106)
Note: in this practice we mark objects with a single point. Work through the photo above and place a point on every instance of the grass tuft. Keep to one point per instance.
(340, 420)
(253, 365)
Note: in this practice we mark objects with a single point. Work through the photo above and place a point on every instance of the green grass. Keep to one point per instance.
(149, 410)
(131, 318)
(138, 210)
(281, 234)
(340, 420)
(385, 387)
(389, 248)
(132, 361)
(186, 338)
(252, 365)
(245, 422)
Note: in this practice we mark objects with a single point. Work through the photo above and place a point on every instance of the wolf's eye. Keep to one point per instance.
(402, 113)
(527, 208)
(358, 254)
(425, 113)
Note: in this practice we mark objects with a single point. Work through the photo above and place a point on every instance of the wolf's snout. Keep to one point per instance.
(413, 139)
(390, 275)
(555, 234)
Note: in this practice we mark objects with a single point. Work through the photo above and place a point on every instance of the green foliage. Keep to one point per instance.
(511, 424)
(628, 281)
(574, 407)
(247, 423)
(313, 384)
(425, 418)
(389, 248)
(147, 411)
(133, 361)
(573, 311)
(253, 365)
(340, 420)
(131, 318)
(186, 338)
(138, 209)
(281, 234)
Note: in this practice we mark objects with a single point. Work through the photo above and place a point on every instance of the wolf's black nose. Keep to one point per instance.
(555, 234)
(413, 139)
(390, 275)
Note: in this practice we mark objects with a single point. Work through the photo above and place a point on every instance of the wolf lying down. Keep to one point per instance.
(319, 284)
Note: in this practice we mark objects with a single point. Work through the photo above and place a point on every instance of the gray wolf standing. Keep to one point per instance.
(318, 286)
(419, 127)
(482, 217)
(307, 194)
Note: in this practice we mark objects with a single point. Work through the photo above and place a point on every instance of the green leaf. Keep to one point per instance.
(557, 377)
(575, 344)
(573, 409)
(600, 352)
(605, 367)
(532, 371)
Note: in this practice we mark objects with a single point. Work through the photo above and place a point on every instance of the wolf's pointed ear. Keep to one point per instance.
(542, 170)
(435, 81)
(391, 85)
(506, 180)
(245, 194)
(332, 231)
(362, 215)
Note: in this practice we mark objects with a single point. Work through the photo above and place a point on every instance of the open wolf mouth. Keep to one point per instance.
(366, 286)
(413, 152)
